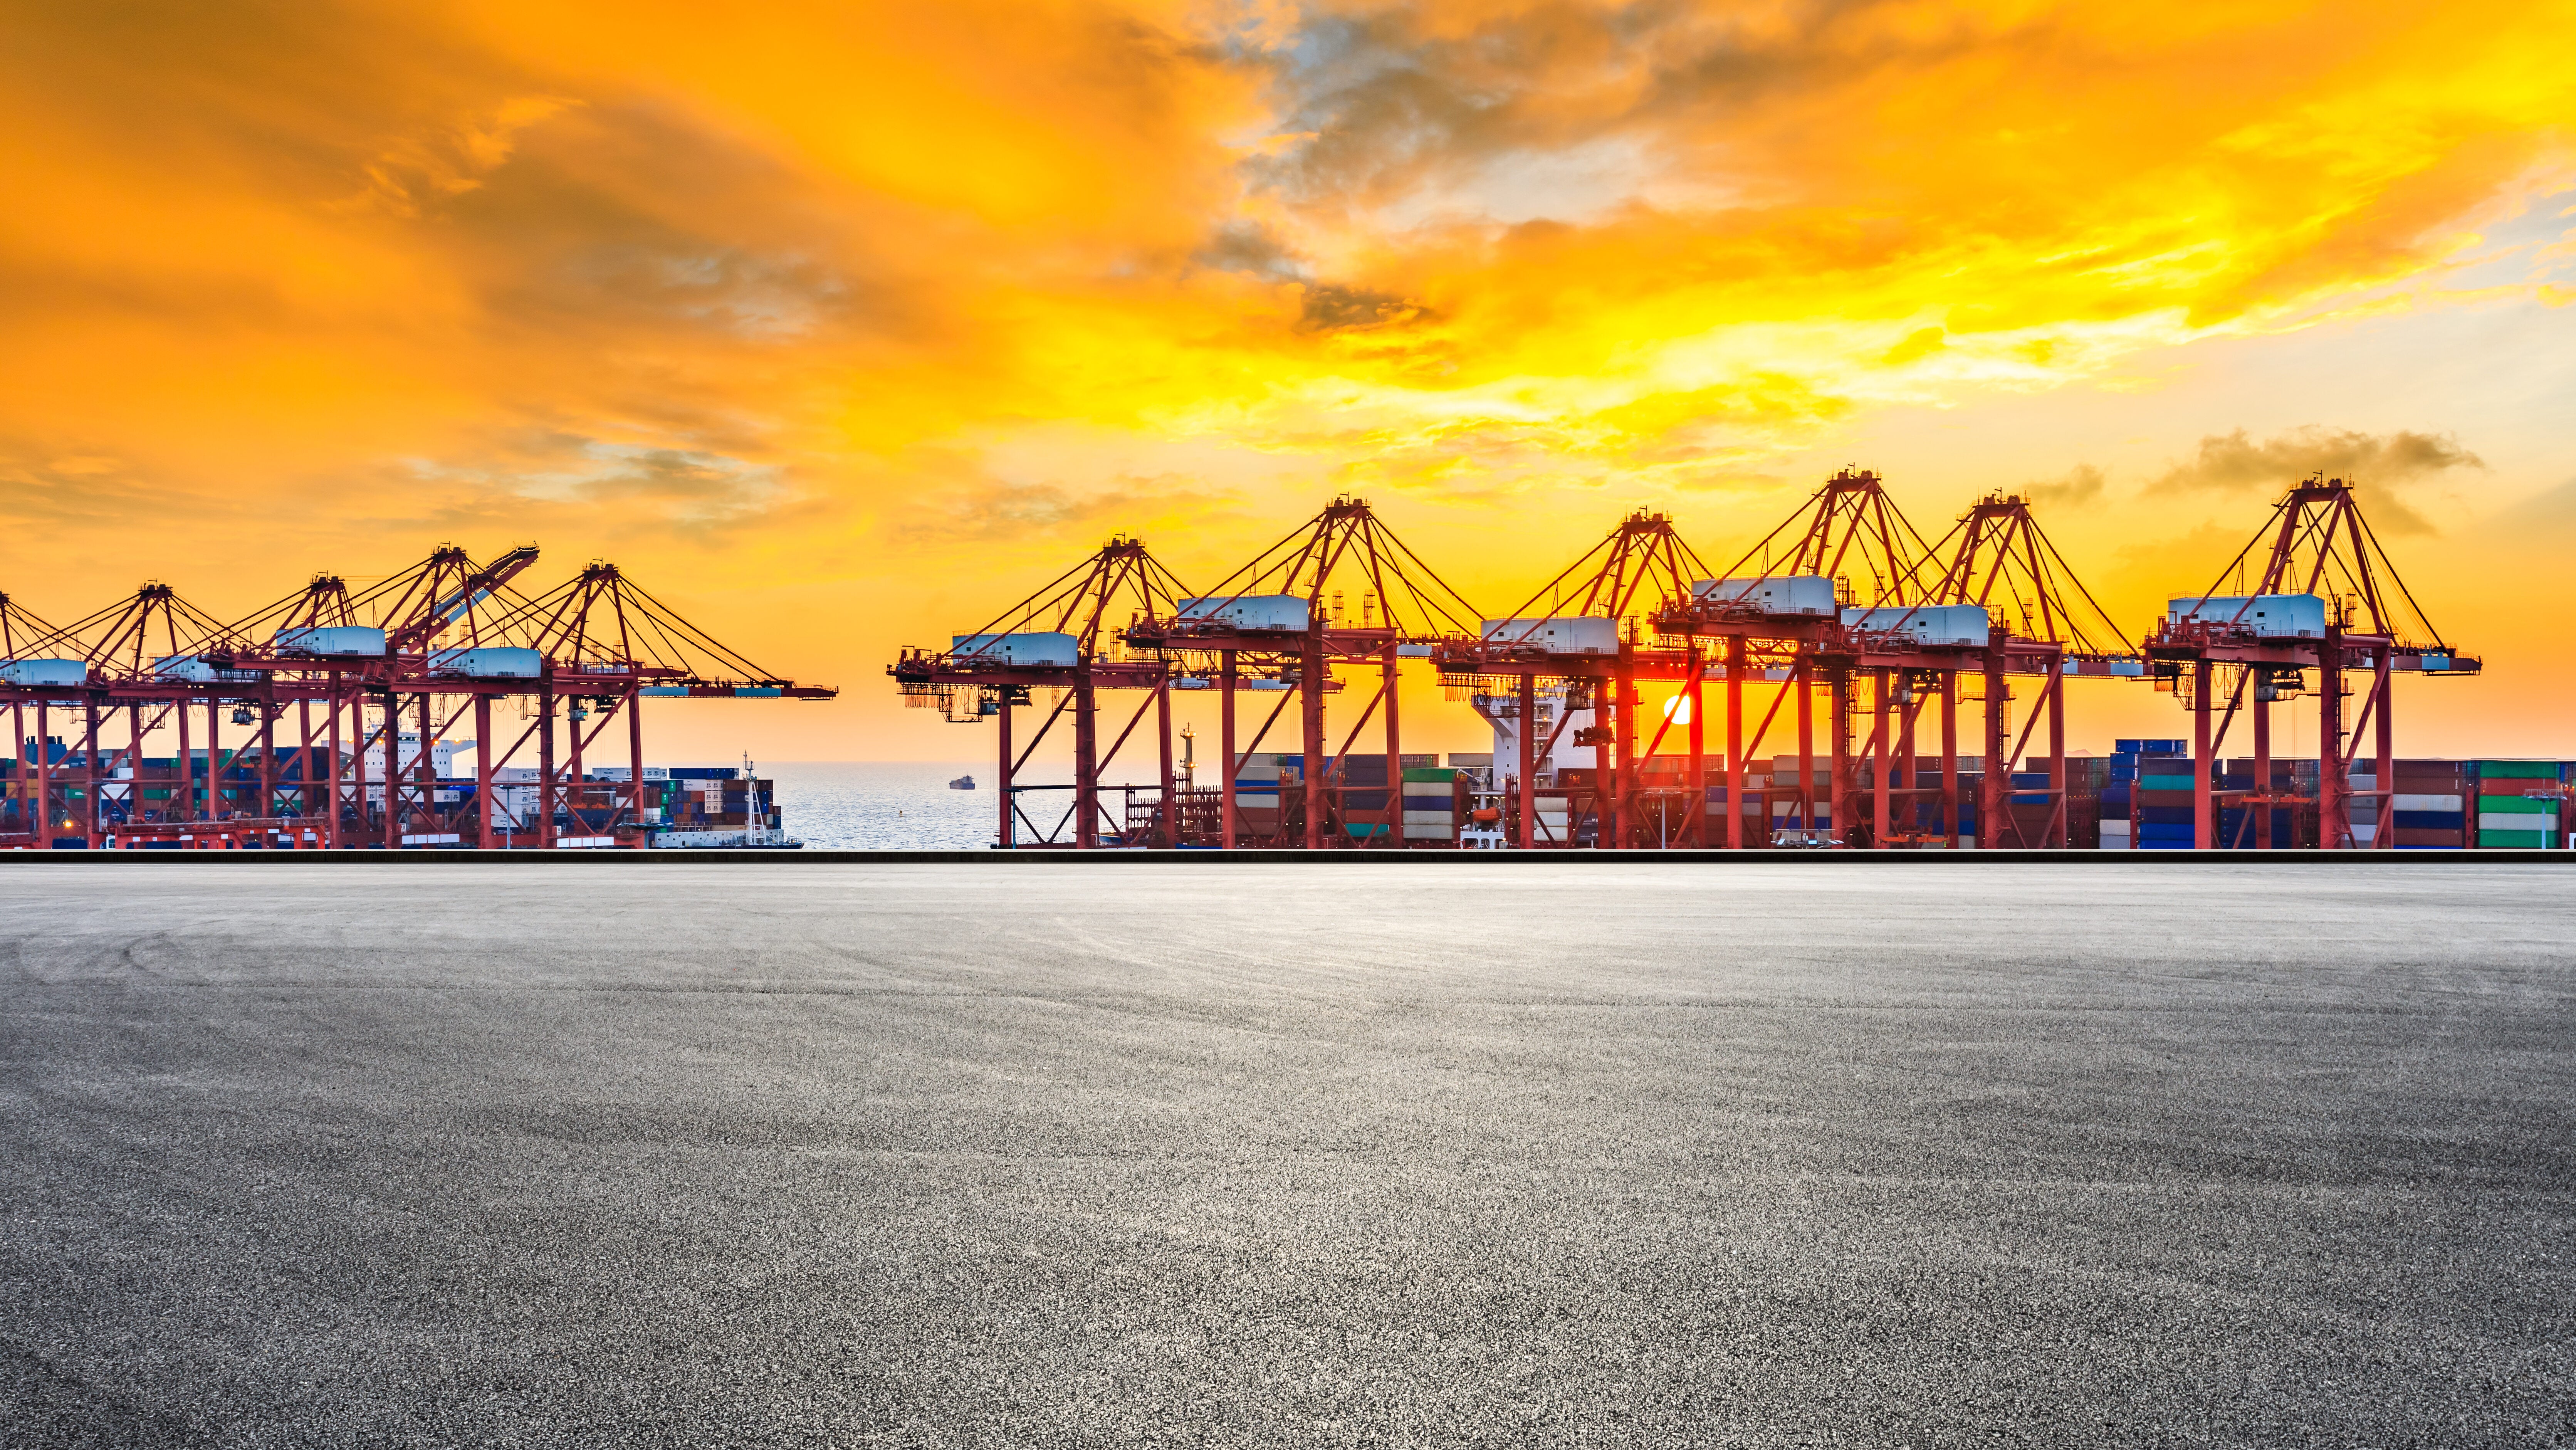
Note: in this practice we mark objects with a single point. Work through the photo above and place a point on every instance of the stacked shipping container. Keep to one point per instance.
(2141, 795)
(2518, 803)
(2431, 805)
(1434, 799)
(2147, 791)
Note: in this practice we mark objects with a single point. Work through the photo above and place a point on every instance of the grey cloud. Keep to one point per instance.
(2082, 484)
(2375, 463)
(1331, 308)
(1242, 246)
(1389, 103)
(2236, 461)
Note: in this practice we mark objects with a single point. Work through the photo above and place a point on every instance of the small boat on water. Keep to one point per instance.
(963, 782)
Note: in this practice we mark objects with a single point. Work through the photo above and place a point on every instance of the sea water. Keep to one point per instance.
(845, 805)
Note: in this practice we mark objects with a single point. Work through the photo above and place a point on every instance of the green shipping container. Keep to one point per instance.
(1428, 775)
(2496, 805)
(2517, 770)
(2165, 782)
(2514, 840)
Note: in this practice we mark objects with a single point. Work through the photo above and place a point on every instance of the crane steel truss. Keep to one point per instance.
(26, 799)
(1639, 568)
(138, 656)
(395, 648)
(1997, 560)
(1284, 617)
(1280, 622)
(404, 628)
(604, 645)
(1065, 638)
(1848, 526)
(2319, 545)
(2042, 621)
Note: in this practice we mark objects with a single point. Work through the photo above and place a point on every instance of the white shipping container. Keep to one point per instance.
(1429, 818)
(1413, 832)
(2513, 821)
(2270, 616)
(1786, 594)
(45, 672)
(1561, 635)
(2428, 803)
(183, 667)
(1017, 650)
(339, 641)
(1247, 611)
(1946, 624)
(487, 662)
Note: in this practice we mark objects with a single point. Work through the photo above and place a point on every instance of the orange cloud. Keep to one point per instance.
(781, 300)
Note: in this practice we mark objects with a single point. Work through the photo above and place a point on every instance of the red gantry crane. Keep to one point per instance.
(362, 658)
(1065, 639)
(1789, 602)
(445, 628)
(27, 677)
(2327, 601)
(596, 646)
(2041, 621)
(1586, 628)
(139, 655)
(1286, 617)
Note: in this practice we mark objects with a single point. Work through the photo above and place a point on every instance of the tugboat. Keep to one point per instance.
(963, 782)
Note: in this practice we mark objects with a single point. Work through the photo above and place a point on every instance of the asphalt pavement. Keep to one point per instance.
(1144, 1153)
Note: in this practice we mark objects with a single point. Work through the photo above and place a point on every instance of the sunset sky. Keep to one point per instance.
(841, 326)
